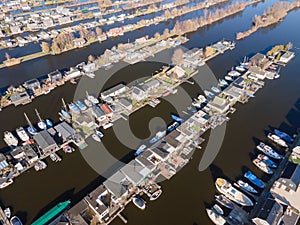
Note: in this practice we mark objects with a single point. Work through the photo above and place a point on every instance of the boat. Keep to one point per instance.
(140, 150)
(68, 149)
(266, 160)
(158, 135)
(15, 221)
(284, 136)
(223, 82)
(40, 165)
(240, 69)
(81, 105)
(6, 183)
(74, 108)
(224, 187)
(262, 166)
(268, 150)
(7, 212)
(88, 103)
(209, 94)
(218, 209)
(277, 140)
(10, 139)
(249, 95)
(244, 63)
(96, 137)
(196, 103)
(155, 194)
(65, 114)
(107, 125)
(99, 133)
(49, 123)
(228, 78)
(224, 201)
(139, 202)
(41, 124)
(22, 134)
(31, 130)
(251, 177)
(215, 217)
(54, 157)
(234, 73)
(92, 99)
(176, 118)
(215, 89)
(246, 186)
(173, 126)
(202, 99)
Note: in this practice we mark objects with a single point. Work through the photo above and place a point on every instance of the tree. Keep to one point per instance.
(157, 35)
(166, 32)
(7, 56)
(45, 47)
(177, 57)
(98, 31)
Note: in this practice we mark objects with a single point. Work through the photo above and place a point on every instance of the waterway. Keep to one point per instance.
(187, 194)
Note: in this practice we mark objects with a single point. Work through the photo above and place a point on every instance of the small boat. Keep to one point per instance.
(215, 217)
(273, 67)
(22, 134)
(6, 183)
(7, 212)
(65, 114)
(92, 99)
(31, 130)
(246, 186)
(234, 73)
(158, 136)
(277, 140)
(96, 137)
(88, 103)
(173, 126)
(244, 63)
(68, 149)
(215, 89)
(224, 187)
(224, 201)
(41, 124)
(74, 108)
(155, 194)
(249, 95)
(284, 136)
(196, 104)
(49, 123)
(209, 94)
(228, 78)
(107, 125)
(218, 209)
(240, 69)
(139, 202)
(10, 139)
(140, 150)
(262, 166)
(99, 133)
(202, 99)
(176, 118)
(81, 106)
(268, 161)
(223, 82)
(54, 158)
(268, 150)
(15, 221)
(42, 164)
(251, 177)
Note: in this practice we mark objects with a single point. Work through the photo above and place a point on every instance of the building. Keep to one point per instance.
(55, 76)
(33, 85)
(79, 42)
(72, 73)
(258, 72)
(114, 91)
(286, 57)
(90, 67)
(135, 172)
(286, 189)
(65, 131)
(219, 104)
(20, 98)
(138, 94)
(45, 142)
(176, 73)
(270, 213)
(25, 152)
(234, 92)
(259, 60)
(77, 213)
(106, 109)
(151, 85)
(125, 103)
(3, 162)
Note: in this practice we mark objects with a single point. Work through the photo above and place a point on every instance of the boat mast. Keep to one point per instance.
(64, 104)
(28, 121)
(38, 115)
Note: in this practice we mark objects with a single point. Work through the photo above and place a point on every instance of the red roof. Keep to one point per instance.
(105, 109)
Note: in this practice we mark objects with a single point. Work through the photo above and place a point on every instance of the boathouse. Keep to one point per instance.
(45, 142)
(55, 76)
(20, 98)
(65, 131)
(33, 85)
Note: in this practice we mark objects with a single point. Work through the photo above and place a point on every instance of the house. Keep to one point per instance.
(286, 189)
(65, 131)
(15, 29)
(140, 40)
(25, 152)
(135, 172)
(77, 213)
(45, 142)
(258, 72)
(176, 72)
(79, 42)
(113, 32)
(114, 91)
(90, 67)
(48, 22)
(219, 104)
(151, 85)
(20, 98)
(138, 94)
(33, 85)
(64, 20)
(3, 162)
(144, 161)
(234, 92)
(72, 73)
(55, 76)
(125, 103)
(286, 57)
(259, 60)
(86, 122)
(269, 213)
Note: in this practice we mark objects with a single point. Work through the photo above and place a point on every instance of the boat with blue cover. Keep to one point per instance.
(268, 150)
(65, 114)
(266, 160)
(140, 150)
(254, 179)
(245, 186)
(284, 136)
(49, 123)
(74, 108)
(176, 118)
(81, 105)
(215, 89)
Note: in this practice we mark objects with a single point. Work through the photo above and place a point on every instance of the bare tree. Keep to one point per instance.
(177, 57)
(45, 47)
(7, 56)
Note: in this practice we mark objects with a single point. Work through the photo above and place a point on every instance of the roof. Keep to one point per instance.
(113, 89)
(114, 184)
(271, 211)
(125, 102)
(98, 111)
(19, 96)
(65, 130)
(137, 91)
(145, 162)
(160, 152)
(132, 171)
(55, 73)
(105, 108)
(44, 139)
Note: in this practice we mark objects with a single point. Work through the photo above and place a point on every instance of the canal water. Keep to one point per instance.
(186, 195)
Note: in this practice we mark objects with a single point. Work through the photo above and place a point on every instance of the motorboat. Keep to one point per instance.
(158, 136)
(88, 103)
(202, 99)
(176, 118)
(6, 183)
(155, 194)
(22, 134)
(49, 123)
(246, 186)
(173, 126)
(100, 134)
(223, 82)
(40, 165)
(65, 114)
(140, 150)
(276, 139)
(81, 105)
(15, 221)
(215, 217)
(7, 212)
(31, 130)
(68, 149)
(92, 99)
(224, 201)
(96, 137)
(262, 166)
(139, 202)
(240, 69)
(253, 179)
(268, 161)
(218, 209)
(284, 136)
(10, 139)
(196, 104)
(215, 89)
(107, 125)
(74, 108)
(234, 73)
(224, 187)
(266, 149)
(228, 78)
(209, 94)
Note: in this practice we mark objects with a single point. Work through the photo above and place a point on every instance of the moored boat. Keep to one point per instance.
(262, 166)
(173, 126)
(246, 186)
(209, 94)
(88, 102)
(234, 73)
(224, 187)
(139, 202)
(10, 139)
(107, 125)
(240, 69)
(268, 150)
(277, 140)
(74, 108)
(176, 118)
(96, 137)
(92, 99)
(215, 217)
(253, 179)
(268, 161)
(284, 136)
(7, 212)
(81, 105)
(65, 114)
(223, 82)
(155, 194)
(140, 150)
(228, 78)
(224, 201)
(22, 134)
(215, 89)
(6, 183)
(15, 221)
(49, 123)
(41, 124)
(218, 209)
(68, 149)
(202, 98)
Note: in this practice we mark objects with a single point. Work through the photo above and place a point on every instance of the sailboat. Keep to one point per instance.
(30, 129)
(41, 124)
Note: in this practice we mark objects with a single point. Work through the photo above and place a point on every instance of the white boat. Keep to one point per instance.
(10, 139)
(224, 187)
(6, 183)
(246, 186)
(209, 94)
(96, 137)
(234, 73)
(240, 69)
(196, 104)
(88, 102)
(99, 133)
(15, 221)
(218, 209)
(215, 89)
(31, 130)
(7, 212)
(140, 150)
(228, 78)
(22, 134)
(277, 140)
(268, 151)
(223, 82)
(41, 124)
(215, 217)
(262, 166)
(107, 125)
(155, 194)
(202, 98)
(40, 165)
(54, 158)
(139, 202)
(266, 159)
(68, 149)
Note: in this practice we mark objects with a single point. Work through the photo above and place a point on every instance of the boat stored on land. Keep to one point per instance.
(246, 186)
(268, 161)
(262, 166)
(277, 140)
(10, 139)
(268, 150)
(251, 177)
(224, 201)
(215, 217)
(139, 202)
(284, 136)
(224, 187)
